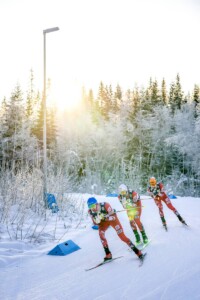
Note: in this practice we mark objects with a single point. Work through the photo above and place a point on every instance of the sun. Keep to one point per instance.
(69, 98)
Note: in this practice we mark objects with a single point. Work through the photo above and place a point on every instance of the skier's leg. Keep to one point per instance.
(170, 206)
(141, 228)
(102, 230)
(119, 229)
(160, 208)
(168, 203)
(134, 227)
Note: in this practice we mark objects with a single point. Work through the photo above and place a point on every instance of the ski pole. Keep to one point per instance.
(129, 209)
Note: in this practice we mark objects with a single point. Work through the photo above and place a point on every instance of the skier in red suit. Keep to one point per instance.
(104, 216)
(156, 191)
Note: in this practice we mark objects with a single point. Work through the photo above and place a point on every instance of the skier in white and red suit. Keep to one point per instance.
(131, 202)
(104, 216)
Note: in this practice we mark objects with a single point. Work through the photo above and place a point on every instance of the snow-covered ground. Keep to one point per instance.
(171, 270)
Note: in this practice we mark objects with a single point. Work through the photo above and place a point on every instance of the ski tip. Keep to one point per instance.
(144, 245)
(186, 225)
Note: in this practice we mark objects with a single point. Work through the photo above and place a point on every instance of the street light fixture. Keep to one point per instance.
(48, 30)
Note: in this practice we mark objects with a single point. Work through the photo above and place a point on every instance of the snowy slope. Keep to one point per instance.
(171, 269)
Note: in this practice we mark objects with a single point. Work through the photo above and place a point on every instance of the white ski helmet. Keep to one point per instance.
(123, 189)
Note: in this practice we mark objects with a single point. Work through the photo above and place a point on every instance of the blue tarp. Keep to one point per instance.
(171, 196)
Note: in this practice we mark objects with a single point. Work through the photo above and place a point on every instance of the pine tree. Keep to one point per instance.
(163, 92)
(104, 101)
(93, 107)
(3, 128)
(118, 93)
(51, 128)
(37, 130)
(135, 103)
(30, 95)
(16, 141)
(117, 98)
(15, 112)
(178, 93)
(155, 96)
(91, 100)
(171, 97)
(196, 100)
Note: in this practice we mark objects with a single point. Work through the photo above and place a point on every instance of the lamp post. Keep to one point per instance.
(49, 30)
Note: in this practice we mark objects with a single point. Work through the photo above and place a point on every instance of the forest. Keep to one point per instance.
(116, 136)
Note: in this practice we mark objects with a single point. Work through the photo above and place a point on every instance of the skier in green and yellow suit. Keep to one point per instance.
(130, 201)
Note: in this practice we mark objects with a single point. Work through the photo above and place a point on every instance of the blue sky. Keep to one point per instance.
(115, 41)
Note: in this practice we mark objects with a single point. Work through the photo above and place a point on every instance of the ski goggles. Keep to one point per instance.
(92, 206)
(123, 193)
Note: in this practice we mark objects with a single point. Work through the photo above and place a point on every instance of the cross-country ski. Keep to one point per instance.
(103, 263)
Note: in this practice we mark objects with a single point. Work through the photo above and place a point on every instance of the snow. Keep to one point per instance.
(171, 269)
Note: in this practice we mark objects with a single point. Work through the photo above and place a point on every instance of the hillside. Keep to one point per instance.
(171, 269)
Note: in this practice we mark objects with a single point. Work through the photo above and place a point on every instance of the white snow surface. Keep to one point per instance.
(171, 270)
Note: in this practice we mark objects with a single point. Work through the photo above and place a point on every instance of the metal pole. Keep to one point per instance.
(44, 130)
(48, 30)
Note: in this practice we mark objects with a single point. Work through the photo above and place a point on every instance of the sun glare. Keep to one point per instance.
(67, 99)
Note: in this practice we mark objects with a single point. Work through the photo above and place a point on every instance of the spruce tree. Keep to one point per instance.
(178, 93)
(104, 101)
(155, 94)
(196, 100)
(30, 95)
(164, 92)
(37, 130)
(51, 128)
(172, 97)
(15, 112)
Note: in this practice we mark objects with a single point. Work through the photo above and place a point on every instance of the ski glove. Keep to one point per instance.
(98, 218)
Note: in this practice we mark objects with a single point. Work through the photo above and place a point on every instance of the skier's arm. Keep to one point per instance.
(111, 213)
(160, 191)
(96, 217)
(150, 193)
(122, 201)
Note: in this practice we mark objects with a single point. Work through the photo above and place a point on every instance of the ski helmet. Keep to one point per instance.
(123, 189)
(91, 201)
(152, 181)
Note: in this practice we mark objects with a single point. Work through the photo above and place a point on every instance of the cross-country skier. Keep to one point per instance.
(130, 201)
(156, 191)
(104, 216)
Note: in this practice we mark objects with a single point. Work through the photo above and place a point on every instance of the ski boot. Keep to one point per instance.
(180, 218)
(141, 257)
(137, 251)
(164, 223)
(108, 254)
(165, 226)
(144, 237)
(108, 257)
(137, 238)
